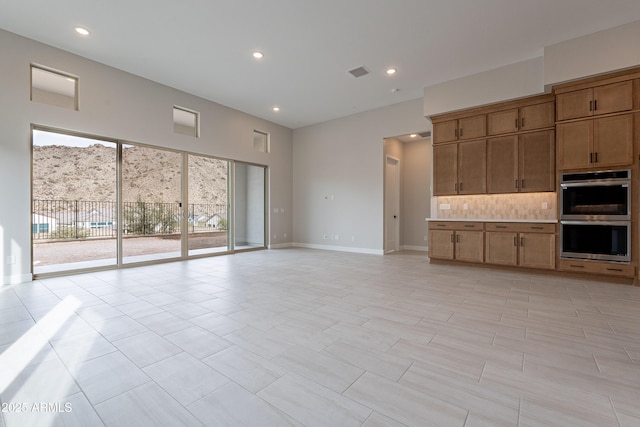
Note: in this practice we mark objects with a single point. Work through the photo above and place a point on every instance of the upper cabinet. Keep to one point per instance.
(521, 119)
(604, 99)
(460, 129)
(521, 156)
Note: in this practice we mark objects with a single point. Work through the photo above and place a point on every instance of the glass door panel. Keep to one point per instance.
(74, 215)
(207, 207)
(249, 208)
(151, 204)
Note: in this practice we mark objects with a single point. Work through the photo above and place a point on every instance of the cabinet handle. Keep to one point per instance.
(576, 266)
(469, 225)
(501, 226)
(522, 241)
(596, 157)
(522, 123)
(457, 238)
(461, 187)
(590, 157)
(516, 184)
(536, 227)
(521, 183)
(441, 225)
(515, 241)
(451, 237)
(455, 187)
(614, 269)
(461, 132)
(516, 123)
(595, 105)
(455, 131)
(590, 105)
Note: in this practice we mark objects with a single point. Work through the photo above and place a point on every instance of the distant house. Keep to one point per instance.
(97, 219)
(214, 221)
(43, 224)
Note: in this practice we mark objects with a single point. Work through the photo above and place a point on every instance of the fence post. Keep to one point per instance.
(76, 219)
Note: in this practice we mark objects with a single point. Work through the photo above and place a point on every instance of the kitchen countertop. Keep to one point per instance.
(540, 221)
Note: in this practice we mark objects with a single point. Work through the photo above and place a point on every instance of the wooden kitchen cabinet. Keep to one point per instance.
(596, 143)
(525, 118)
(459, 168)
(472, 167)
(456, 240)
(464, 128)
(597, 100)
(521, 244)
(521, 163)
(445, 169)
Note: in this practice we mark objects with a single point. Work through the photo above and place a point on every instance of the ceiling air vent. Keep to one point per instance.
(359, 71)
(425, 134)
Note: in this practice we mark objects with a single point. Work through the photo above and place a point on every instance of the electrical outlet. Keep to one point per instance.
(465, 206)
(326, 236)
(445, 206)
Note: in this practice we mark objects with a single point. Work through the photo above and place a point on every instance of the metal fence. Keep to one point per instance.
(79, 219)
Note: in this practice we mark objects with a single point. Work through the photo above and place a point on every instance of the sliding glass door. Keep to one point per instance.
(151, 204)
(208, 220)
(100, 203)
(74, 213)
(249, 198)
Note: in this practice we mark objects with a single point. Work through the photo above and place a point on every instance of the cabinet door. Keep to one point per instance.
(537, 116)
(613, 141)
(573, 105)
(445, 169)
(469, 246)
(441, 244)
(472, 127)
(537, 250)
(472, 167)
(445, 131)
(613, 97)
(537, 161)
(503, 122)
(501, 248)
(575, 144)
(502, 164)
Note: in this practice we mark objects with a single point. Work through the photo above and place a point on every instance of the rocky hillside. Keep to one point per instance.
(89, 173)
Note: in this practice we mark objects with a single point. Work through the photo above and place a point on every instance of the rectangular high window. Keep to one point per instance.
(261, 141)
(54, 88)
(185, 122)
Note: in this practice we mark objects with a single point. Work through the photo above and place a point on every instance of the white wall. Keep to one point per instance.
(605, 51)
(343, 158)
(416, 193)
(118, 105)
(512, 81)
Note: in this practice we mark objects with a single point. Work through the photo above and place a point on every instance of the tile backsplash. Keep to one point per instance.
(522, 206)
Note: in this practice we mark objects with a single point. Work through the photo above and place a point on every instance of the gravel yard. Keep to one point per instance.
(62, 252)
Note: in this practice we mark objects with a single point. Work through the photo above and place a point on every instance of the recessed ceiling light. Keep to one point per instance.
(276, 108)
(82, 31)
(258, 55)
(392, 71)
(413, 135)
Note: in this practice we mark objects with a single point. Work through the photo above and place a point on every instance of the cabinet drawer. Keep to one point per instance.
(455, 225)
(521, 227)
(594, 267)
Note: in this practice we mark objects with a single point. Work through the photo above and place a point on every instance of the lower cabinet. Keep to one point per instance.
(597, 267)
(462, 241)
(521, 244)
(515, 244)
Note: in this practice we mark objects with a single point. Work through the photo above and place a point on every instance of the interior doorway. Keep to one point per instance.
(392, 204)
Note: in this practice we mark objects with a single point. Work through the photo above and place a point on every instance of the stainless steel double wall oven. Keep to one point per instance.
(595, 215)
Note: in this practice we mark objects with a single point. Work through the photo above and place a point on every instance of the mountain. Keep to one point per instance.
(148, 174)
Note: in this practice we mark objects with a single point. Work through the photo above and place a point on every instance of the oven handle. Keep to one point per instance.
(623, 184)
(618, 223)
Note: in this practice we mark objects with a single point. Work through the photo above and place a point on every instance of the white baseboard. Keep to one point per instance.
(16, 278)
(415, 248)
(281, 245)
(339, 248)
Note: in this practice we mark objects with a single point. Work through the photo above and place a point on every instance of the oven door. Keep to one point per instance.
(607, 201)
(601, 240)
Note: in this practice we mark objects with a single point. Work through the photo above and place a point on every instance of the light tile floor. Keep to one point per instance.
(318, 338)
